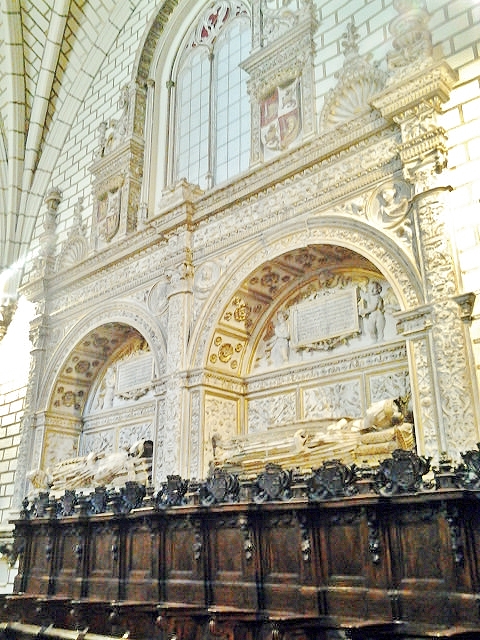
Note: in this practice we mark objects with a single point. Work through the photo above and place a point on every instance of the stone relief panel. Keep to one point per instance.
(159, 464)
(129, 377)
(395, 384)
(132, 433)
(389, 209)
(274, 410)
(58, 447)
(342, 313)
(337, 400)
(281, 73)
(100, 442)
(195, 435)
(221, 423)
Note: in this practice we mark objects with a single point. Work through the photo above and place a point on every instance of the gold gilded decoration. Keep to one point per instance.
(225, 352)
(218, 341)
(242, 310)
(213, 358)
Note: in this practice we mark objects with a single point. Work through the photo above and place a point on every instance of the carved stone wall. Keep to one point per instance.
(355, 197)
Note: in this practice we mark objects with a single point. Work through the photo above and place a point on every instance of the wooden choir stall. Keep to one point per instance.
(383, 551)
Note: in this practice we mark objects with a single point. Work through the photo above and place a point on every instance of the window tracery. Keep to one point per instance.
(210, 101)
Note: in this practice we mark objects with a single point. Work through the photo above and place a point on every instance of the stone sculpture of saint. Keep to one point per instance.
(277, 347)
(371, 310)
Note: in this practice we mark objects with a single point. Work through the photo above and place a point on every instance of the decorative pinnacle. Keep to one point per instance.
(349, 41)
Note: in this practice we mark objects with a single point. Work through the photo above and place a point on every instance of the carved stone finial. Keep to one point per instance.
(358, 82)
(349, 41)
(53, 199)
(412, 39)
(44, 262)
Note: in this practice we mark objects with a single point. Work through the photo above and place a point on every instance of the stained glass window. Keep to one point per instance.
(212, 112)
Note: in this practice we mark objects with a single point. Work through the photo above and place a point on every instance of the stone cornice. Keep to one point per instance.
(307, 160)
(432, 84)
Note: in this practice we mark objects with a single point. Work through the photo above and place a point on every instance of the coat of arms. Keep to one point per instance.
(280, 117)
(108, 215)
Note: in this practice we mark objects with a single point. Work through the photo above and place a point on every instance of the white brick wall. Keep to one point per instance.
(14, 350)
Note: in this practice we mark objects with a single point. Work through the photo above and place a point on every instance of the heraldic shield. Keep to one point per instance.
(280, 120)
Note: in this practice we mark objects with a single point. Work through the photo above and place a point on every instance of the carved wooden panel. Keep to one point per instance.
(422, 567)
(233, 562)
(40, 558)
(104, 561)
(70, 559)
(367, 564)
(142, 561)
(184, 561)
(287, 578)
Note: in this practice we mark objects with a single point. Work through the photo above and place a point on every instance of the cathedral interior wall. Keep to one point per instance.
(210, 395)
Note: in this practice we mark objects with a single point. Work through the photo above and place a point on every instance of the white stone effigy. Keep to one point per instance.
(96, 470)
(306, 446)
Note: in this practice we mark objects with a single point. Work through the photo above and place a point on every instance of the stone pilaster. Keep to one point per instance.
(453, 390)
(445, 398)
(29, 434)
(180, 300)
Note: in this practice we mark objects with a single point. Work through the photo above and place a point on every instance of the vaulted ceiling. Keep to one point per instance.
(50, 51)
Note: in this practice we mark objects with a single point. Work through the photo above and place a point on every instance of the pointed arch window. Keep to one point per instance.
(211, 105)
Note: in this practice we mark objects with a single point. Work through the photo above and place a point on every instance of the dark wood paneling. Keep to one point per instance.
(367, 566)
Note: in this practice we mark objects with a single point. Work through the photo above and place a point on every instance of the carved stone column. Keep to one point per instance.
(180, 299)
(452, 391)
(445, 397)
(30, 437)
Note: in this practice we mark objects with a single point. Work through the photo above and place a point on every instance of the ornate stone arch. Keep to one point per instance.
(379, 249)
(119, 312)
(72, 370)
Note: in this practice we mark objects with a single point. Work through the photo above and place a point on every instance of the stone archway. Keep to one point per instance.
(77, 380)
(238, 397)
(53, 426)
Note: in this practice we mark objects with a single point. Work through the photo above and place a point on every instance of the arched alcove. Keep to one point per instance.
(328, 367)
(101, 399)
